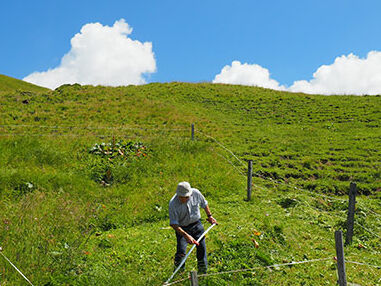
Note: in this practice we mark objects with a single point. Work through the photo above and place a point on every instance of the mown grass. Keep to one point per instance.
(62, 226)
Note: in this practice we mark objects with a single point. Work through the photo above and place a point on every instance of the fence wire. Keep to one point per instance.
(280, 182)
(7, 259)
(208, 136)
(368, 230)
(272, 266)
(254, 268)
(92, 127)
(260, 176)
(363, 264)
(241, 162)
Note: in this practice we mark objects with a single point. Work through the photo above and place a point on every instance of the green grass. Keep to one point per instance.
(9, 84)
(62, 226)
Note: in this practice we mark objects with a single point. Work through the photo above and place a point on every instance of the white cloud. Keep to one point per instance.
(101, 55)
(347, 75)
(247, 74)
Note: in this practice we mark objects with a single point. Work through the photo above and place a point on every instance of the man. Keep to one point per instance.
(185, 219)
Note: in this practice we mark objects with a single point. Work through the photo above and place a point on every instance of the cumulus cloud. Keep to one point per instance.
(101, 55)
(247, 74)
(346, 75)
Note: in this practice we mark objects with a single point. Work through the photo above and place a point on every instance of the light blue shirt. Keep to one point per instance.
(184, 214)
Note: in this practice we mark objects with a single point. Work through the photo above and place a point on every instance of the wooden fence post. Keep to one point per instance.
(351, 213)
(194, 278)
(192, 131)
(249, 179)
(340, 258)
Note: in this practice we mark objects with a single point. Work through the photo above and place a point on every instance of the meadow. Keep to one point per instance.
(86, 173)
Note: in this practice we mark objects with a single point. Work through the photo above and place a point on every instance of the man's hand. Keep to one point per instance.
(191, 240)
(212, 220)
(187, 237)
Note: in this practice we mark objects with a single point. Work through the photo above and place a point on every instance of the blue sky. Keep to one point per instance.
(280, 42)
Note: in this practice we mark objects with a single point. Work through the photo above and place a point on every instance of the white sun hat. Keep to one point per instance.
(184, 189)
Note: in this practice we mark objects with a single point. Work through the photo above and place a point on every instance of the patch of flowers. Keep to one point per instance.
(111, 162)
(121, 149)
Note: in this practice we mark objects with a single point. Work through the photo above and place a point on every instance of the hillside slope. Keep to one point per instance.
(318, 142)
(86, 174)
(8, 84)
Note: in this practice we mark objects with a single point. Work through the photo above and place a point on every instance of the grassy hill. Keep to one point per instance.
(9, 84)
(76, 212)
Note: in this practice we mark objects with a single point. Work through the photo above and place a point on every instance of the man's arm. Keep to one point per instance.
(173, 222)
(187, 237)
(210, 218)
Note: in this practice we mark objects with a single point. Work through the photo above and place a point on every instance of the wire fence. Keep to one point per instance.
(278, 182)
(270, 266)
(368, 230)
(251, 269)
(240, 162)
(71, 127)
(314, 195)
(261, 176)
(7, 259)
(155, 129)
(208, 136)
(71, 131)
(326, 197)
(364, 264)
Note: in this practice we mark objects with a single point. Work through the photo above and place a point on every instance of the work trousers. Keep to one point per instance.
(195, 230)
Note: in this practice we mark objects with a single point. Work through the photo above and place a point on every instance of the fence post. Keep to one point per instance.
(192, 131)
(194, 278)
(340, 258)
(249, 178)
(351, 213)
